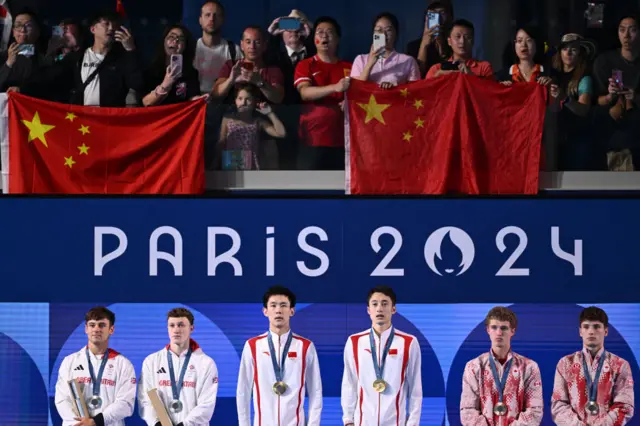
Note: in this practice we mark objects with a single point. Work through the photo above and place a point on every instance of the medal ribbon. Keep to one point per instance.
(500, 383)
(176, 388)
(379, 368)
(592, 386)
(279, 369)
(97, 381)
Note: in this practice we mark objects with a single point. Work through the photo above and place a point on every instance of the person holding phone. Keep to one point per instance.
(383, 65)
(25, 54)
(66, 37)
(460, 39)
(432, 47)
(171, 78)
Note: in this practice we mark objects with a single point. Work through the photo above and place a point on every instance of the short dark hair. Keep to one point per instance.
(106, 15)
(391, 17)
(98, 313)
(216, 2)
(460, 23)
(279, 290)
(328, 20)
(501, 313)
(181, 313)
(255, 27)
(249, 88)
(593, 313)
(386, 290)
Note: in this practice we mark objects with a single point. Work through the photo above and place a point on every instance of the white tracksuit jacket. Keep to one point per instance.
(199, 390)
(301, 372)
(361, 404)
(118, 388)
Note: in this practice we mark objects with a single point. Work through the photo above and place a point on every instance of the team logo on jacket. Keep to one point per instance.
(191, 367)
(515, 373)
(456, 238)
(606, 367)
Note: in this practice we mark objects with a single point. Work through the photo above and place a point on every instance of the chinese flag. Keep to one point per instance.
(453, 134)
(70, 149)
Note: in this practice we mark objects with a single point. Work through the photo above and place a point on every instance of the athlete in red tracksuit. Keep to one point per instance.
(382, 370)
(278, 395)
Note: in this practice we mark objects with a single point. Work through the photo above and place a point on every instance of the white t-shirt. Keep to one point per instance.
(209, 62)
(89, 63)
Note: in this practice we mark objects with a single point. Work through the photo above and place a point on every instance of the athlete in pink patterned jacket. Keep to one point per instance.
(592, 387)
(501, 387)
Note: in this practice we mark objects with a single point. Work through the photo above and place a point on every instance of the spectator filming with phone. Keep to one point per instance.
(171, 78)
(383, 65)
(24, 56)
(65, 38)
(432, 48)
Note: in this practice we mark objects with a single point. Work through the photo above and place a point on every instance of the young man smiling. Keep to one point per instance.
(185, 377)
(500, 386)
(107, 379)
(592, 386)
(277, 367)
(382, 370)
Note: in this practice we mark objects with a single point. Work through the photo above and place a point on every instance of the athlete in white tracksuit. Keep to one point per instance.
(97, 363)
(197, 396)
(258, 375)
(373, 399)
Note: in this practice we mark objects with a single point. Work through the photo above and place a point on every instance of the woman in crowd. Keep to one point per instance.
(571, 92)
(384, 65)
(240, 130)
(526, 60)
(25, 54)
(166, 81)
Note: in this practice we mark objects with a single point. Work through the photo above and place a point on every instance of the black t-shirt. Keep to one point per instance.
(613, 60)
(433, 55)
(186, 87)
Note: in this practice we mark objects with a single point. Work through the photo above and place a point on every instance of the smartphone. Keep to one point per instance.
(433, 19)
(379, 41)
(176, 63)
(57, 31)
(26, 50)
(247, 66)
(289, 24)
(449, 66)
(617, 77)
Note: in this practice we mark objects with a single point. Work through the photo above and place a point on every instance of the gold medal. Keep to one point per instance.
(279, 388)
(379, 386)
(500, 409)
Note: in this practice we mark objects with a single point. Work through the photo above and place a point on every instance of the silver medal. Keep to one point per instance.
(175, 406)
(95, 402)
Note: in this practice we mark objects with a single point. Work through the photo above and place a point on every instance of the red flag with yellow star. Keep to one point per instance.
(453, 134)
(70, 149)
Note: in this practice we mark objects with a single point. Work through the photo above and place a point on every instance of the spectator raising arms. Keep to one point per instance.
(383, 64)
(432, 47)
(526, 57)
(460, 40)
(172, 77)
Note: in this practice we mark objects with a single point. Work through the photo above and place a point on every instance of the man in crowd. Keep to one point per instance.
(460, 39)
(432, 47)
(107, 379)
(592, 386)
(382, 370)
(185, 377)
(617, 77)
(513, 378)
(278, 367)
(212, 51)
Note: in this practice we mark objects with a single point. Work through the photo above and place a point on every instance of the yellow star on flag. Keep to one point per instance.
(374, 110)
(419, 122)
(71, 116)
(418, 104)
(84, 129)
(404, 92)
(407, 136)
(83, 149)
(68, 161)
(37, 130)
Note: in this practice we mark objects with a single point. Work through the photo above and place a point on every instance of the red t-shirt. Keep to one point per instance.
(272, 75)
(322, 121)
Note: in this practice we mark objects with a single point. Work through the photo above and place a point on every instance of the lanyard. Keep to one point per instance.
(177, 387)
(97, 381)
(500, 384)
(279, 369)
(592, 385)
(379, 368)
